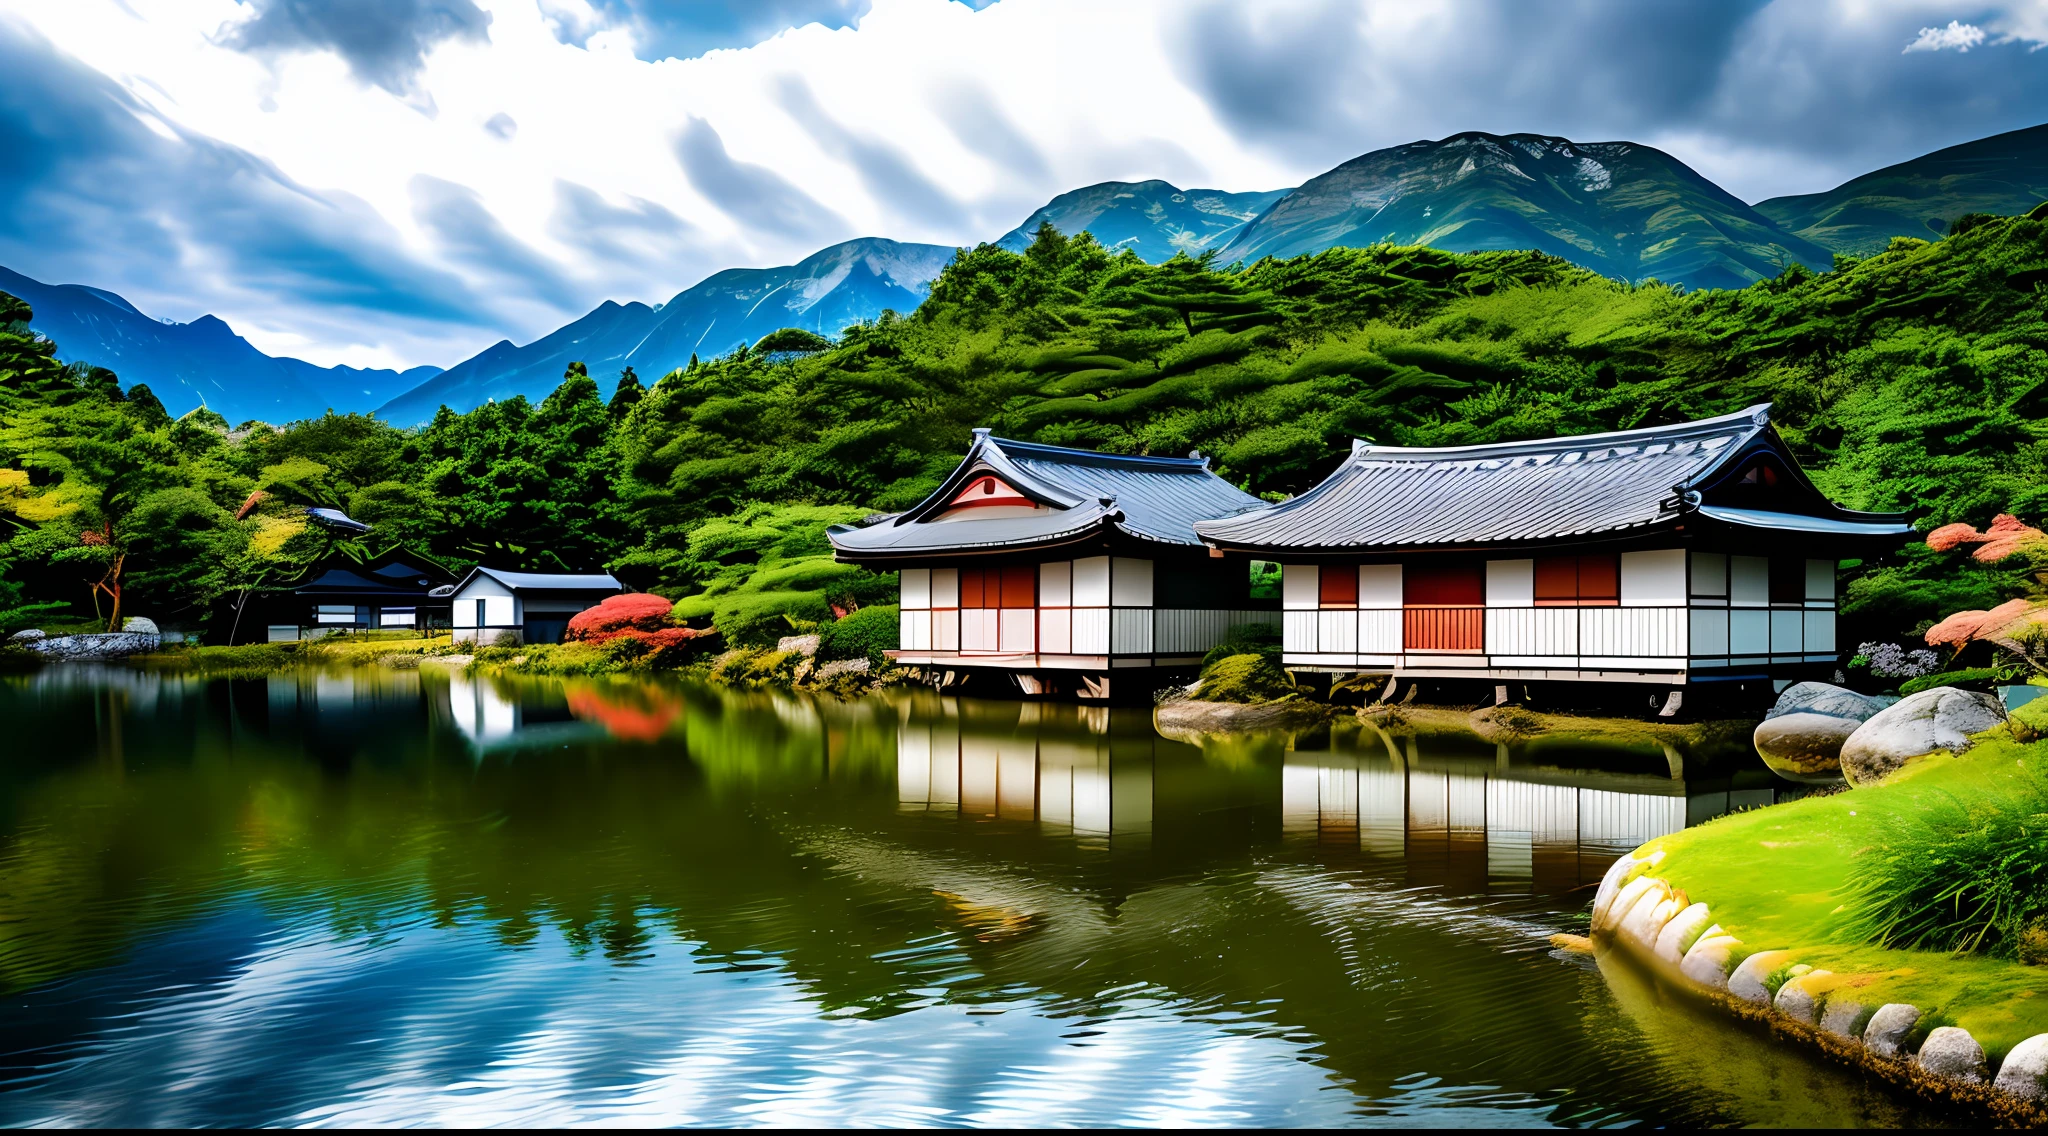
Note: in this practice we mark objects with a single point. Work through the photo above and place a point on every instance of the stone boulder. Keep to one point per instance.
(2025, 1071)
(85, 648)
(1801, 738)
(1937, 720)
(25, 637)
(805, 645)
(1950, 1051)
(1889, 1028)
(140, 625)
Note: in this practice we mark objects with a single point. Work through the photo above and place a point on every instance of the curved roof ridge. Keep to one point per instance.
(1751, 418)
(1039, 451)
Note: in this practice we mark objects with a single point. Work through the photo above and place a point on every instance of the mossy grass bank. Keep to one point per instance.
(265, 658)
(1818, 878)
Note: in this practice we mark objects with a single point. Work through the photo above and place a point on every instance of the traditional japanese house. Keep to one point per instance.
(1672, 555)
(532, 607)
(346, 596)
(1059, 567)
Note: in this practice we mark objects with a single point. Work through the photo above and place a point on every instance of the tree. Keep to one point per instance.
(625, 396)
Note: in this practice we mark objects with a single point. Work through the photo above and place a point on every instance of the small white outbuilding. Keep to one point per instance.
(534, 607)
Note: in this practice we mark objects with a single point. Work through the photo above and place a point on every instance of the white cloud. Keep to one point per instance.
(560, 173)
(1957, 36)
(2026, 23)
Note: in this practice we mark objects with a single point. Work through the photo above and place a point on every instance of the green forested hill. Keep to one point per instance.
(2005, 173)
(1915, 379)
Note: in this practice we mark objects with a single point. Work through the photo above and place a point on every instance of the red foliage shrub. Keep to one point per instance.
(630, 611)
(1948, 537)
(2005, 536)
(1964, 626)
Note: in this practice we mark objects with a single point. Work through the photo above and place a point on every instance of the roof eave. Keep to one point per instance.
(1065, 538)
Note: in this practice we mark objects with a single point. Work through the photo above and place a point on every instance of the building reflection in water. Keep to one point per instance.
(496, 715)
(1446, 809)
(1060, 766)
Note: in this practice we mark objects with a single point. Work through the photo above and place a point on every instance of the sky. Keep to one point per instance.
(398, 182)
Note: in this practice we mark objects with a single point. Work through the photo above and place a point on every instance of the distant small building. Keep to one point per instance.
(533, 606)
(394, 595)
(1057, 568)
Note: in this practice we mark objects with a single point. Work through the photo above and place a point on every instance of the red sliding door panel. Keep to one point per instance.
(1599, 581)
(1451, 582)
(1337, 585)
(1443, 628)
(1443, 604)
(973, 587)
(1578, 581)
(1019, 586)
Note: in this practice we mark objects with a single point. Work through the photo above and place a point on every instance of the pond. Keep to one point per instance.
(380, 897)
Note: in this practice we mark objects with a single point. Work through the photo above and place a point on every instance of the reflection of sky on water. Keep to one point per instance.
(373, 897)
(430, 1025)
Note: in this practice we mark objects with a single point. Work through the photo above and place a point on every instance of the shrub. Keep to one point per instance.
(756, 668)
(862, 634)
(759, 619)
(1964, 875)
(1972, 678)
(1244, 678)
(1246, 639)
(506, 639)
(632, 611)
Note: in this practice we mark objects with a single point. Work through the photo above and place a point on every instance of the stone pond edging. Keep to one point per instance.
(1643, 917)
(137, 637)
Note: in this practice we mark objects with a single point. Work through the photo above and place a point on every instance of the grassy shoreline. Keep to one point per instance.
(1783, 878)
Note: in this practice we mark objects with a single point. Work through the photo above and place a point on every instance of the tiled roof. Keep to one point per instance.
(1549, 489)
(1151, 498)
(548, 581)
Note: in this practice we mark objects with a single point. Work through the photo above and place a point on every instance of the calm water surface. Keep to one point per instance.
(388, 897)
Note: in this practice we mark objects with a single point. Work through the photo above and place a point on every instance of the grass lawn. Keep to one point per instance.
(267, 657)
(1779, 877)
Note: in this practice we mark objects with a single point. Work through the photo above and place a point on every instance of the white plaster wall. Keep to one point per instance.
(1298, 587)
(914, 585)
(1130, 583)
(1091, 582)
(1653, 579)
(1379, 587)
(1512, 583)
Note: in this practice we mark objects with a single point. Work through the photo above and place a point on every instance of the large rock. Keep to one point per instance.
(1937, 720)
(1747, 981)
(111, 645)
(1800, 998)
(23, 637)
(805, 645)
(1889, 1027)
(1845, 1017)
(2025, 1071)
(1801, 738)
(1950, 1051)
(140, 625)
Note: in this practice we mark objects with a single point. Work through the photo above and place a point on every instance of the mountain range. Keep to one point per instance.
(2003, 174)
(1622, 209)
(1151, 218)
(824, 292)
(202, 363)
